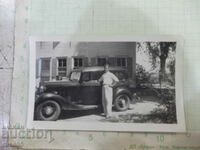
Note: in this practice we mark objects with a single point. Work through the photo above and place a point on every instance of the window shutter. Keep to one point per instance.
(130, 66)
(70, 65)
(37, 68)
(93, 61)
(54, 68)
(112, 61)
(85, 61)
(45, 69)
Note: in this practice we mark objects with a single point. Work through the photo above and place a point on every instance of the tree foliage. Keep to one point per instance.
(159, 52)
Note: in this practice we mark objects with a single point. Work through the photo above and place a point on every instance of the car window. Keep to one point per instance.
(86, 76)
(75, 75)
(96, 75)
(121, 75)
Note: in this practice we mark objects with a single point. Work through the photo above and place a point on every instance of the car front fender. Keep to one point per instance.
(61, 100)
(122, 90)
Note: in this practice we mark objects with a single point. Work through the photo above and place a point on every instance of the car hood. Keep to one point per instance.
(61, 83)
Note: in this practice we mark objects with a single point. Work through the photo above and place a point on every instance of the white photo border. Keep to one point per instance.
(94, 126)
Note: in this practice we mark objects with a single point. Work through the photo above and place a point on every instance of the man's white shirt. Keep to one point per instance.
(108, 78)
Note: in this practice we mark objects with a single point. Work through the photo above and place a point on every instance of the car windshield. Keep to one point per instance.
(121, 75)
(96, 75)
(75, 75)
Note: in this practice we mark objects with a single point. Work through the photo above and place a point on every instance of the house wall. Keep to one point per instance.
(89, 50)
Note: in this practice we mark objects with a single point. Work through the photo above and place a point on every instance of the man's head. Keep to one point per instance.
(106, 67)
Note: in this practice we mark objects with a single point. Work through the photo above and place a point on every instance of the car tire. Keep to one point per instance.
(48, 110)
(122, 102)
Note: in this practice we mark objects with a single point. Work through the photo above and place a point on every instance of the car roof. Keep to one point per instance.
(98, 68)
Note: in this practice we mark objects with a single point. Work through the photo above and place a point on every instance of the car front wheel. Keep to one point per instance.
(48, 110)
(122, 102)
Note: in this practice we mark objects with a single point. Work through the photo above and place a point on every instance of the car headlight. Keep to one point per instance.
(55, 92)
(42, 89)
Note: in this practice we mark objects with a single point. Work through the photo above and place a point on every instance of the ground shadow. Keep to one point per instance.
(69, 114)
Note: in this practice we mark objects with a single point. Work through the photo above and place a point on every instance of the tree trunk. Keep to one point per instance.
(162, 69)
(164, 48)
(162, 64)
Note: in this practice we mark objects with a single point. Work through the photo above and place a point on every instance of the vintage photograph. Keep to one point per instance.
(105, 82)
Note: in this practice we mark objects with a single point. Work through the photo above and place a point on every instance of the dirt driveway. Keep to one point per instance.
(135, 114)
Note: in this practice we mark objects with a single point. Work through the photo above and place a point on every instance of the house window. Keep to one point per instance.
(62, 67)
(101, 61)
(121, 62)
(78, 62)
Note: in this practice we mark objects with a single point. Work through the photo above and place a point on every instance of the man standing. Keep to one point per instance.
(108, 80)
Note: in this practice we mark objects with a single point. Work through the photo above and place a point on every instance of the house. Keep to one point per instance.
(59, 58)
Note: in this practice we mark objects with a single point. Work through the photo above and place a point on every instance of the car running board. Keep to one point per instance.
(81, 107)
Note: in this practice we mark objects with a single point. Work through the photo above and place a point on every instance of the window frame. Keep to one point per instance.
(75, 57)
(122, 57)
(101, 57)
(63, 58)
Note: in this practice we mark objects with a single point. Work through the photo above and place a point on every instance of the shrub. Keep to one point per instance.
(142, 76)
(167, 97)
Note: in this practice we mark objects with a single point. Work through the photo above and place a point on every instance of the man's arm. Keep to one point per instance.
(115, 80)
(100, 79)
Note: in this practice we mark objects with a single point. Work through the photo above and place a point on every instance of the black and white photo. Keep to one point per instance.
(106, 83)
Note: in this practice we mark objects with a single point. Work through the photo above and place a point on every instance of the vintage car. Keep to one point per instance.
(81, 91)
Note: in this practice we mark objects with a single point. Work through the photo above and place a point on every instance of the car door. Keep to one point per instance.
(90, 89)
(71, 88)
